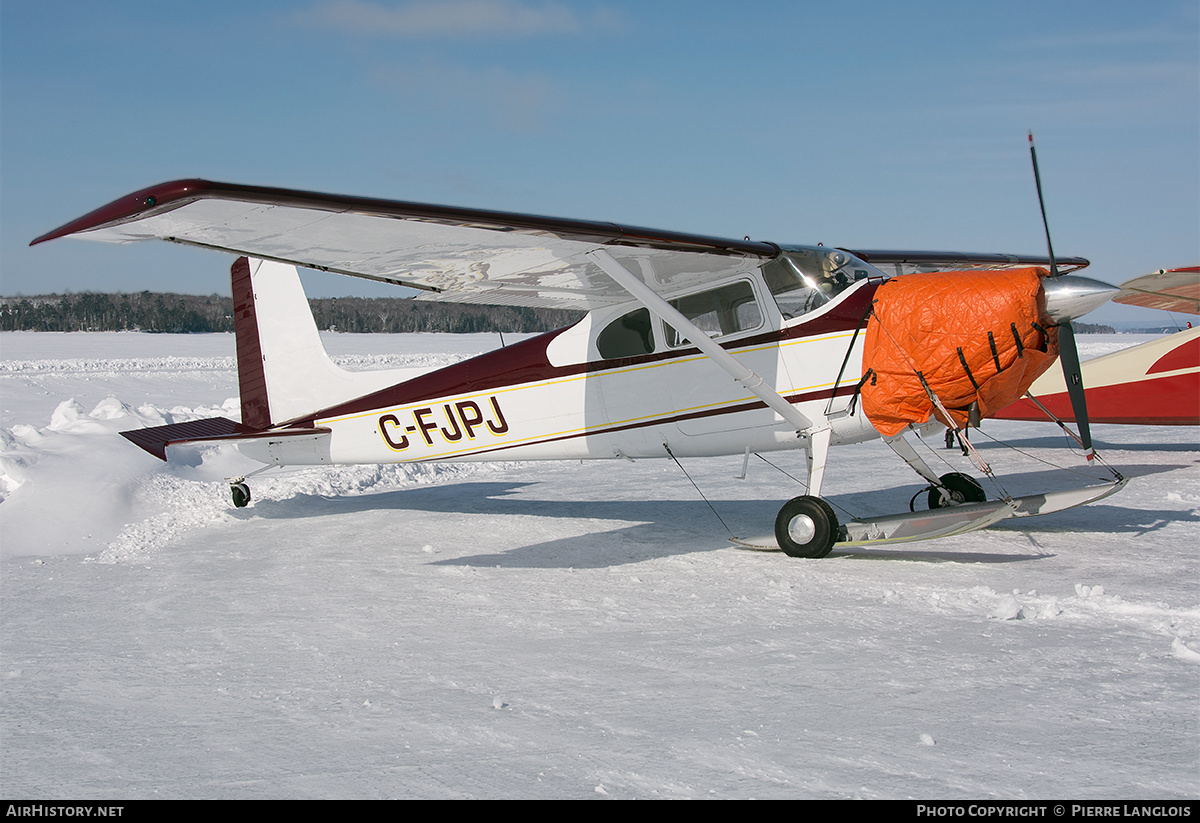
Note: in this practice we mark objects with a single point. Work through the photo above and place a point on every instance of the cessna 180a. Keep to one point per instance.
(690, 345)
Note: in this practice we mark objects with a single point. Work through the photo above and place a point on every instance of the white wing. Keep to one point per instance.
(454, 254)
(449, 253)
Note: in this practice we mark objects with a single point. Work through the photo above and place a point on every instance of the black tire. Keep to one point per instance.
(806, 527)
(241, 494)
(963, 489)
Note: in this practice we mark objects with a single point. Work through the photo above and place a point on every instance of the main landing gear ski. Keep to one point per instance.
(808, 527)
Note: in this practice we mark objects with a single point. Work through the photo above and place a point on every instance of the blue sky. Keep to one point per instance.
(868, 124)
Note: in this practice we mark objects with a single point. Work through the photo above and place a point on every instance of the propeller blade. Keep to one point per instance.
(1068, 353)
(1037, 179)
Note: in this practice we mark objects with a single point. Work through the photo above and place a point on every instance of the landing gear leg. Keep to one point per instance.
(966, 489)
(816, 455)
(807, 526)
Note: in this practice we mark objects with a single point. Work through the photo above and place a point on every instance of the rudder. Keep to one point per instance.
(252, 381)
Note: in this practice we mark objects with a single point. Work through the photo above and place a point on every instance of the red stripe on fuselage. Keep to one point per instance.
(528, 362)
(1184, 356)
(666, 420)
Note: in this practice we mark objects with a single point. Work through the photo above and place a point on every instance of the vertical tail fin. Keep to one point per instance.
(284, 372)
(252, 381)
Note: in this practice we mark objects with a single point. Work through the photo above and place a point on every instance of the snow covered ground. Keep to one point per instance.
(562, 630)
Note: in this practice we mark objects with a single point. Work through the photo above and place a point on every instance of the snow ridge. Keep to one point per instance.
(42, 467)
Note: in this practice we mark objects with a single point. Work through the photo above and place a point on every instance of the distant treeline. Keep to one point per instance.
(184, 313)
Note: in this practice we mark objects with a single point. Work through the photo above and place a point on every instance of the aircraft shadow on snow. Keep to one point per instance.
(1059, 441)
(659, 528)
(669, 527)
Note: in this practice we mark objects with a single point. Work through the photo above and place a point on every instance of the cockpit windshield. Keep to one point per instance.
(804, 278)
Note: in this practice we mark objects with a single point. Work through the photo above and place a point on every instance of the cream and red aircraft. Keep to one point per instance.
(690, 345)
(1156, 383)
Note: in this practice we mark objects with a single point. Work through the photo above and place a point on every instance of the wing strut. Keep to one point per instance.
(668, 314)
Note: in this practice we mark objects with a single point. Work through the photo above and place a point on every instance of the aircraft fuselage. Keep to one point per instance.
(555, 396)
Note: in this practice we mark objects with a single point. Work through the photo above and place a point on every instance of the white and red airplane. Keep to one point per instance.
(691, 345)
(1155, 383)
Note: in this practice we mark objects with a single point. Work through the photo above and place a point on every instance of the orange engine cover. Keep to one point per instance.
(975, 336)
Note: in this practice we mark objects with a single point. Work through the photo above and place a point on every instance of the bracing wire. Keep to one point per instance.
(1116, 474)
(697, 488)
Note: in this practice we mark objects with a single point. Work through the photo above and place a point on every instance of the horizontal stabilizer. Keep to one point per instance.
(215, 430)
(155, 440)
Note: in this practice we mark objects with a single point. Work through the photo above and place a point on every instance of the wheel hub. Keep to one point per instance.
(802, 529)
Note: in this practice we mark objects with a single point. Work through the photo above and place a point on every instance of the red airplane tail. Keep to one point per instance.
(284, 373)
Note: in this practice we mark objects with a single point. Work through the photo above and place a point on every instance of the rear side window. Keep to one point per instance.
(730, 309)
(627, 336)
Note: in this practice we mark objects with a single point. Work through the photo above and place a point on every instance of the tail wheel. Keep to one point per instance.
(241, 494)
(962, 487)
(806, 527)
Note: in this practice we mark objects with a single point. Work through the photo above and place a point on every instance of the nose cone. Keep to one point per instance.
(1068, 297)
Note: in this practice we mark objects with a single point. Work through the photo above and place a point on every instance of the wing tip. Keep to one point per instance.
(129, 207)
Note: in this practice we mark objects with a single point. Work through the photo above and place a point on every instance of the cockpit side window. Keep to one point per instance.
(628, 336)
(802, 279)
(794, 293)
